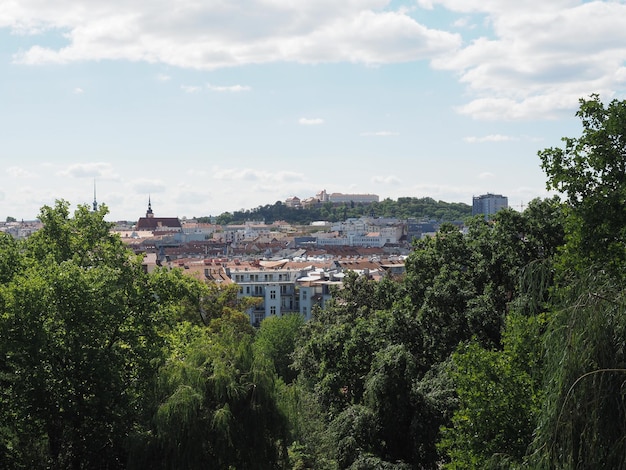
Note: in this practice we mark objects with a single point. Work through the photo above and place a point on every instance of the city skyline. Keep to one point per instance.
(216, 107)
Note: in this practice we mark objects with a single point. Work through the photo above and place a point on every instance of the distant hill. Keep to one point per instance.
(403, 208)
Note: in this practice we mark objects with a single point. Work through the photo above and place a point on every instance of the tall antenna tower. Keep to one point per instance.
(95, 203)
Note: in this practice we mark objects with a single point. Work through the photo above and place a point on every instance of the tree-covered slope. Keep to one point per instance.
(404, 208)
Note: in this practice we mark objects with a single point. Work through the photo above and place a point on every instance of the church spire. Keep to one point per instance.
(149, 212)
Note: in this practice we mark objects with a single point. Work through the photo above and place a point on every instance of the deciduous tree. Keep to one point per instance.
(591, 172)
(79, 338)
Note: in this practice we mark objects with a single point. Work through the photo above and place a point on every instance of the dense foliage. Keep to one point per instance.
(388, 361)
(501, 347)
(582, 423)
(105, 366)
(404, 208)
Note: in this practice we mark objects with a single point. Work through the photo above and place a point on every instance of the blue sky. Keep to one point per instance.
(215, 106)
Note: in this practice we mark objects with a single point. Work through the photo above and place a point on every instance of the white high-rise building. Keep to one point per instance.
(488, 204)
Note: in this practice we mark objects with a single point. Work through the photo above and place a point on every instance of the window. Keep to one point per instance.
(304, 294)
(273, 310)
(272, 294)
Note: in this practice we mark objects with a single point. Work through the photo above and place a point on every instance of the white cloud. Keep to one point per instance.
(237, 174)
(490, 138)
(231, 88)
(91, 170)
(464, 22)
(210, 35)
(196, 172)
(486, 175)
(247, 187)
(425, 4)
(380, 134)
(148, 186)
(78, 91)
(541, 58)
(536, 59)
(19, 172)
(390, 179)
(189, 197)
(190, 88)
(254, 175)
(310, 121)
(162, 77)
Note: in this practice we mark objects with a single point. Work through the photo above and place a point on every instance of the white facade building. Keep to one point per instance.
(360, 232)
(275, 289)
(281, 290)
(338, 198)
(488, 204)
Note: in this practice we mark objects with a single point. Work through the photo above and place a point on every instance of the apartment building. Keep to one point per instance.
(363, 232)
(488, 204)
(274, 285)
(284, 286)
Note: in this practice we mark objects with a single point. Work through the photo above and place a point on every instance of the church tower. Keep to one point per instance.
(149, 213)
(158, 224)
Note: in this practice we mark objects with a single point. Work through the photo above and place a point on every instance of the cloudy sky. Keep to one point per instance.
(218, 105)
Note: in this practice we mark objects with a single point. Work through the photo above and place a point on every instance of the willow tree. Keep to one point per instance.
(583, 420)
(216, 405)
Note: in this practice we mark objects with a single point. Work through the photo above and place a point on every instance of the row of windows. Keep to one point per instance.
(260, 315)
(258, 290)
(257, 277)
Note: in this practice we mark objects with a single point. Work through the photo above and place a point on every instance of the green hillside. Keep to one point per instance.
(404, 208)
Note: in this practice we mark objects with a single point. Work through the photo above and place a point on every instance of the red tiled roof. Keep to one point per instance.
(154, 223)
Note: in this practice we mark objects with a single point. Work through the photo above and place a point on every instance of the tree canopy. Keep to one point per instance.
(502, 345)
(591, 171)
(105, 366)
(582, 422)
